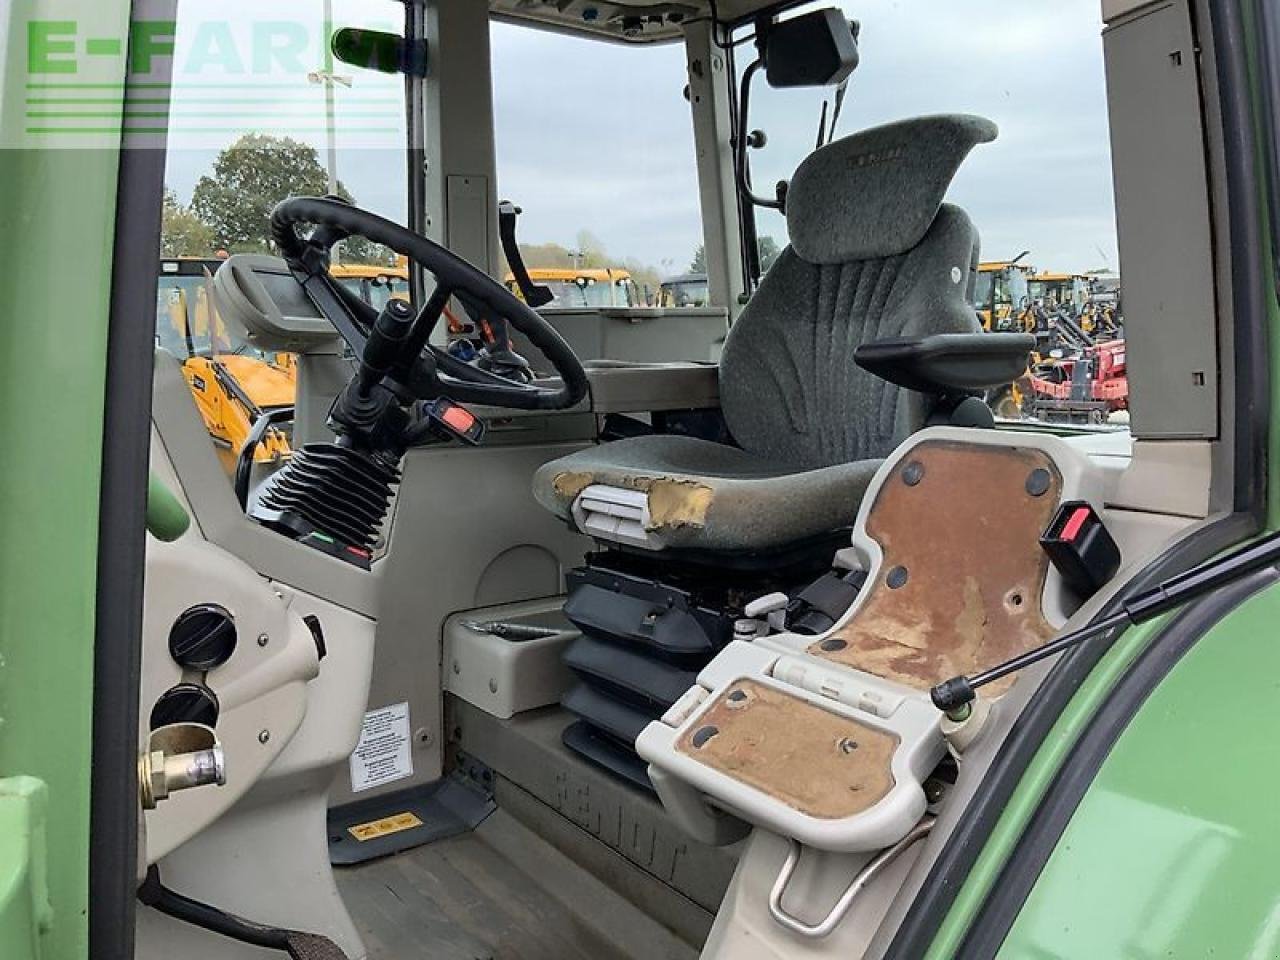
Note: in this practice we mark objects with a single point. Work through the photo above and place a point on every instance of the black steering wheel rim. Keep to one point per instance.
(430, 372)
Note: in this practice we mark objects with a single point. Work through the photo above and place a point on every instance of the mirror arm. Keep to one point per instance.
(741, 168)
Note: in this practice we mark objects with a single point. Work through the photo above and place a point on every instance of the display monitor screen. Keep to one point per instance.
(287, 294)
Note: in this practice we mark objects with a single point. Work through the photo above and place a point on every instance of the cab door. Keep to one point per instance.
(78, 259)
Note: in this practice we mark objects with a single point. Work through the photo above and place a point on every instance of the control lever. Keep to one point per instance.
(367, 411)
(507, 630)
(534, 294)
(955, 697)
(386, 339)
(497, 355)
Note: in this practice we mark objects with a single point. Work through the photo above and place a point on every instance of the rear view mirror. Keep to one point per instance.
(381, 51)
(818, 49)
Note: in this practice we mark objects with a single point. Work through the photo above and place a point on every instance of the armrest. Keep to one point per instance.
(646, 387)
(948, 363)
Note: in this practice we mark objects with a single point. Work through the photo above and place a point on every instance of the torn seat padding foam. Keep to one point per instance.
(821, 763)
(709, 495)
(967, 535)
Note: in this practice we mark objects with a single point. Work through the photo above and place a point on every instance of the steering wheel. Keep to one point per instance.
(420, 369)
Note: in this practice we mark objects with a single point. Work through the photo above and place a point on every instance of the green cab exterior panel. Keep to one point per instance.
(25, 914)
(1174, 851)
(58, 207)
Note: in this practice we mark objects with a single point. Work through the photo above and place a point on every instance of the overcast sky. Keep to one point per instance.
(596, 136)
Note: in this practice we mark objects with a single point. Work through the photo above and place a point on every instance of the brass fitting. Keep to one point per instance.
(178, 757)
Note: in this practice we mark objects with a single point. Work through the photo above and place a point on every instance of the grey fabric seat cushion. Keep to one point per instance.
(790, 389)
(711, 496)
(874, 193)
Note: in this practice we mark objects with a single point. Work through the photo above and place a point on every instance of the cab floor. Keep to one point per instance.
(497, 893)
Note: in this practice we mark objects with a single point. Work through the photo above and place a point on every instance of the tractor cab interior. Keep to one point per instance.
(625, 631)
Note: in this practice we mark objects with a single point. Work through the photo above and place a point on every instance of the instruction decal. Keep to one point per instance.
(383, 754)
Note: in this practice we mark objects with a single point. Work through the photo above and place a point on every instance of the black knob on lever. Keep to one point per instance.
(535, 295)
(953, 697)
(385, 343)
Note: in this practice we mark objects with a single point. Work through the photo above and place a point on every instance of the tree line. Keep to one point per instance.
(230, 210)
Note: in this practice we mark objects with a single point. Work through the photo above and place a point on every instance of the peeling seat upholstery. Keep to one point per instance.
(708, 495)
(874, 254)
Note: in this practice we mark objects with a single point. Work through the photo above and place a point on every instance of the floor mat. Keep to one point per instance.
(393, 822)
(464, 899)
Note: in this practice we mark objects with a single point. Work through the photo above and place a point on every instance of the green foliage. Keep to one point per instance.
(547, 256)
(182, 233)
(249, 178)
(648, 279)
(766, 246)
(769, 250)
(591, 252)
(253, 175)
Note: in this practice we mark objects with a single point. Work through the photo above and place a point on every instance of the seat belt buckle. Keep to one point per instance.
(1081, 548)
(817, 608)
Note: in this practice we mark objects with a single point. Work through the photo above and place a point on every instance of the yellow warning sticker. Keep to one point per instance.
(387, 825)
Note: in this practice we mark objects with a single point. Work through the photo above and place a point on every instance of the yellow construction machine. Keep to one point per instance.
(1002, 296)
(374, 284)
(232, 382)
(582, 287)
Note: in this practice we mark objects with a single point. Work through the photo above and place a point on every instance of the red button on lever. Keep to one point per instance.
(1071, 529)
(458, 418)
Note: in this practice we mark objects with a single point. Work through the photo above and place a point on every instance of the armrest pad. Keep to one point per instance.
(948, 362)
(646, 387)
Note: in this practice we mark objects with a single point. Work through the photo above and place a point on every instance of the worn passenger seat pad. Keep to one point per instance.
(821, 763)
(960, 582)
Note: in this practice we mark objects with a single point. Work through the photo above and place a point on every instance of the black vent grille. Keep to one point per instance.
(335, 490)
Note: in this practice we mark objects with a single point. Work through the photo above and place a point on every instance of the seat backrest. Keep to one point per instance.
(874, 253)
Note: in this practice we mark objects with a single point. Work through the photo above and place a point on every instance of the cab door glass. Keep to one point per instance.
(595, 143)
(259, 111)
(1040, 195)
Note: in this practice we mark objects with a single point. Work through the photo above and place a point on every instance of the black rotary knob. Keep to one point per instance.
(185, 703)
(203, 637)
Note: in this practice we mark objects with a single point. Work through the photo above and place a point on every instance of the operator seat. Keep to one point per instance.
(690, 530)
(874, 254)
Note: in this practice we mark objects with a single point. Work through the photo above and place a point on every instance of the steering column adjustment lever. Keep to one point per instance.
(955, 697)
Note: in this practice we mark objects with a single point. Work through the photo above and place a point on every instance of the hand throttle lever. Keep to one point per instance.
(385, 344)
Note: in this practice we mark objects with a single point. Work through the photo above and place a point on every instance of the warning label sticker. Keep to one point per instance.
(385, 826)
(382, 755)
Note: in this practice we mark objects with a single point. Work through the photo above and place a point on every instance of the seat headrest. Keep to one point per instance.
(874, 193)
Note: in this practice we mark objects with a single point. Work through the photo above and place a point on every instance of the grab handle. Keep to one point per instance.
(869, 871)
